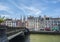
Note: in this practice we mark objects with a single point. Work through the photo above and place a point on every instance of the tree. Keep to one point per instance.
(1, 19)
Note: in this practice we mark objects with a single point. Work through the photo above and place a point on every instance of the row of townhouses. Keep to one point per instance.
(43, 23)
(13, 23)
(35, 23)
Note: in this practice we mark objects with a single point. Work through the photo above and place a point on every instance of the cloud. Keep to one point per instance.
(32, 10)
(6, 8)
(2, 7)
(19, 7)
(6, 15)
(57, 11)
(51, 1)
(27, 10)
(55, 1)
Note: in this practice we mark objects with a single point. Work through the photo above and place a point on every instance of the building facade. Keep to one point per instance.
(9, 22)
(33, 23)
(42, 23)
(18, 23)
(12, 23)
(51, 23)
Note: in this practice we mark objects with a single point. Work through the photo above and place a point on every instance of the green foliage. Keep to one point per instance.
(1, 19)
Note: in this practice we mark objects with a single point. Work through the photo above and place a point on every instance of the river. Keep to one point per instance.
(38, 38)
(44, 38)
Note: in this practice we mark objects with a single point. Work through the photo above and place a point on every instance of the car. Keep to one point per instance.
(47, 29)
(41, 29)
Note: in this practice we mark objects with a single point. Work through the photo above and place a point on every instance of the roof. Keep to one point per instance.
(8, 19)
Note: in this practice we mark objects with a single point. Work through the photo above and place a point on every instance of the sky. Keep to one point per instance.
(18, 8)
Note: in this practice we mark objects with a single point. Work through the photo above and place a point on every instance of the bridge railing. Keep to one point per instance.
(12, 30)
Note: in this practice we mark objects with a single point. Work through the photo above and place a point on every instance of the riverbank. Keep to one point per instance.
(36, 32)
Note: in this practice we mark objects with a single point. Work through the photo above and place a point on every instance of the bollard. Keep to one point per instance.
(3, 35)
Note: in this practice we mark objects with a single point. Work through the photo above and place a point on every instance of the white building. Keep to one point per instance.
(33, 23)
(37, 23)
(9, 22)
(51, 22)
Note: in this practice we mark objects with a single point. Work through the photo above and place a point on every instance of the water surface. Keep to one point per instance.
(44, 38)
(37, 38)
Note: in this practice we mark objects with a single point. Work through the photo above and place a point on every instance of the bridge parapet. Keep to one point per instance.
(6, 35)
(3, 36)
(11, 32)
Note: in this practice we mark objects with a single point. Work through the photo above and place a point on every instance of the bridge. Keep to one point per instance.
(14, 33)
(8, 33)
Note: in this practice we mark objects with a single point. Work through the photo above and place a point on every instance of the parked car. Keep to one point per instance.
(41, 29)
(55, 29)
(47, 29)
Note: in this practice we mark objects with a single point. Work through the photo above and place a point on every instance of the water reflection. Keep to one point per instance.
(21, 39)
(37, 38)
(27, 39)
